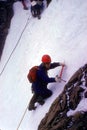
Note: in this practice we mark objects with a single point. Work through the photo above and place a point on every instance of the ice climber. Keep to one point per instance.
(39, 87)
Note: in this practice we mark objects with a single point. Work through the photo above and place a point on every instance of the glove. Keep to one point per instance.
(57, 79)
(62, 64)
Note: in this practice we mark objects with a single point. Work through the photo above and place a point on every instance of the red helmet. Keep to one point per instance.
(46, 59)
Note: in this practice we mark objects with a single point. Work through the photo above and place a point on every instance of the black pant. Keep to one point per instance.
(46, 94)
(36, 10)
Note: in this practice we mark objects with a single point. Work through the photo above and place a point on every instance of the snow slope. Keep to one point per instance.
(61, 33)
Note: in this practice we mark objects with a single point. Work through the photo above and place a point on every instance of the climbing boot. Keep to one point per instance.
(32, 103)
(31, 107)
(40, 100)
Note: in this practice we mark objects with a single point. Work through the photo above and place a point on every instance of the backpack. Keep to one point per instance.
(32, 76)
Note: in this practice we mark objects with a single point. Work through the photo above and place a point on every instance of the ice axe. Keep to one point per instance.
(60, 75)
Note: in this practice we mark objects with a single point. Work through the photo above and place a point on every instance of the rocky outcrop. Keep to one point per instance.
(48, 2)
(74, 91)
(6, 13)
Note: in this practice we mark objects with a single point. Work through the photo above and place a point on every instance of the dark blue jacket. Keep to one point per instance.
(40, 85)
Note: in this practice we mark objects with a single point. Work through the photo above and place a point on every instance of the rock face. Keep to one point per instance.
(74, 91)
(6, 13)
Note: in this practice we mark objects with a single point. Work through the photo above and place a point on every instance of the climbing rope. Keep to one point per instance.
(22, 118)
(9, 60)
(15, 45)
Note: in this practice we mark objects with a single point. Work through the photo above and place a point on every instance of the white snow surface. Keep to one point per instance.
(62, 33)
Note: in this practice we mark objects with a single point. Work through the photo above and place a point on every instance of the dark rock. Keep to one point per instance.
(86, 94)
(48, 2)
(56, 118)
(6, 13)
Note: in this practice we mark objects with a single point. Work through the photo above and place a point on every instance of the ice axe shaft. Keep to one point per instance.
(61, 72)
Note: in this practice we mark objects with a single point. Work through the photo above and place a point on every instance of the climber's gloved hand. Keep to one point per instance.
(62, 64)
(57, 79)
